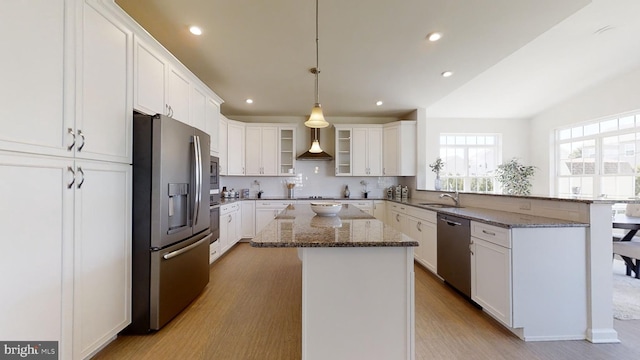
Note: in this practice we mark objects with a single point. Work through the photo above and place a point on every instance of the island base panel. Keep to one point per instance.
(357, 303)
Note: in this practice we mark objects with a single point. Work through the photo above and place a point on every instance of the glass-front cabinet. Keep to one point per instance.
(343, 151)
(287, 148)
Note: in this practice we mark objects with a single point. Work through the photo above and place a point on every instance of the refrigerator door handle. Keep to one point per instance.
(185, 249)
(198, 178)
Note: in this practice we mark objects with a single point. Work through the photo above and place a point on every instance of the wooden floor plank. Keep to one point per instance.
(251, 309)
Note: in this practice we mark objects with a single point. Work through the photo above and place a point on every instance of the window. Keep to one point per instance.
(599, 158)
(470, 161)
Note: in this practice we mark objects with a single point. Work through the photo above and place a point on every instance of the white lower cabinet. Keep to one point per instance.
(230, 225)
(214, 251)
(523, 278)
(102, 260)
(423, 229)
(491, 271)
(380, 210)
(248, 219)
(364, 205)
(38, 246)
(420, 225)
(267, 210)
(70, 231)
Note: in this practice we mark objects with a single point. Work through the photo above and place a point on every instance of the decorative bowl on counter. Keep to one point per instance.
(326, 208)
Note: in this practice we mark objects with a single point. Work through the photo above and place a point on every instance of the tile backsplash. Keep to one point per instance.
(312, 178)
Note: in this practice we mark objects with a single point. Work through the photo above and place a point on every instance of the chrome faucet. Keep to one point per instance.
(455, 198)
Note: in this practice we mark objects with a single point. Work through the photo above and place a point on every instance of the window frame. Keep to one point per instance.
(464, 182)
(599, 177)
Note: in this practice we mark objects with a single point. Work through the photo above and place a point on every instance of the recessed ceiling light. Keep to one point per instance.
(434, 36)
(378, 103)
(249, 101)
(195, 30)
(447, 73)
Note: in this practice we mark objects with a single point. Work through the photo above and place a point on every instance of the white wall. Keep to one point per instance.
(613, 97)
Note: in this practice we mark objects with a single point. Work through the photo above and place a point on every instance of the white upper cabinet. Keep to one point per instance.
(343, 151)
(164, 86)
(178, 96)
(367, 151)
(104, 112)
(150, 79)
(235, 148)
(224, 149)
(399, 148)
(197, 108)
(37, 76)
(212, 119)
(359, 150)
(261, 150)
(287, 150)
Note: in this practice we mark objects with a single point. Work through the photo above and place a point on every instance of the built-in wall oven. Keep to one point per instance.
(214, 198)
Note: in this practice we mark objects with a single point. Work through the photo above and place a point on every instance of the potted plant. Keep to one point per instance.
(436, 167)
(515, 177)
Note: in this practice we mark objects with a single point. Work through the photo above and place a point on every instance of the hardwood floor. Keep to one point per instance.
(251, 309)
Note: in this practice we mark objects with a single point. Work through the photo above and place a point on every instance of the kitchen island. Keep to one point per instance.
(357, 283)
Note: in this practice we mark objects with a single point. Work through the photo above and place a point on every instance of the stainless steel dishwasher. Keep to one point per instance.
(454, 256)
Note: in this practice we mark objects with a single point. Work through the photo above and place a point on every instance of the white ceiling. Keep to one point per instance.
(510, 58)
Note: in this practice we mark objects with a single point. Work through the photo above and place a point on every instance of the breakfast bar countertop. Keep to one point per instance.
(298, 226)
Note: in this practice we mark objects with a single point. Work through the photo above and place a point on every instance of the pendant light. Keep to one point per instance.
(316, 120)
(315, 144)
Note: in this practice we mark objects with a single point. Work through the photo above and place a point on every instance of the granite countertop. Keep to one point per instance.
(495, 217)
(492, 217)
(299, 226)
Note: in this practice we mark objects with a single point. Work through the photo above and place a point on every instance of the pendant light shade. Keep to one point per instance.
(316, 119)
(315, 147)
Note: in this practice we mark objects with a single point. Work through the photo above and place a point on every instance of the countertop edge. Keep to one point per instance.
(328, 245)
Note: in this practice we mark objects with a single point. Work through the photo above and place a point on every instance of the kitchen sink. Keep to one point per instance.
(439, 205)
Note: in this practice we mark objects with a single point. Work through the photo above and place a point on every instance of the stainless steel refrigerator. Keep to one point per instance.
(171, 235)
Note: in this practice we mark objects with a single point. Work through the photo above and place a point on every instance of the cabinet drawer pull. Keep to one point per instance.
(419, 226)
(488, 232)
(398, 217)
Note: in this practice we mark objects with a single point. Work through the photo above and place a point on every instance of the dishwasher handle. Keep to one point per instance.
(451, 223)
